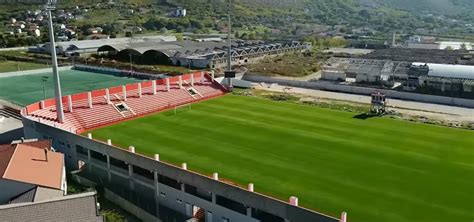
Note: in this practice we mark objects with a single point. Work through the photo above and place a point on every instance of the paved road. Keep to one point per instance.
(450, 112)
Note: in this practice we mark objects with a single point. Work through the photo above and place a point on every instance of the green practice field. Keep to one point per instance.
(28, 89)
(378, 169)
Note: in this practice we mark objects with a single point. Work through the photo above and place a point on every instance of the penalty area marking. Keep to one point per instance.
(182, 108)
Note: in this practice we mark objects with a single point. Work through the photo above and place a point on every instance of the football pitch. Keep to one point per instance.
(378, 169)
(28, 89)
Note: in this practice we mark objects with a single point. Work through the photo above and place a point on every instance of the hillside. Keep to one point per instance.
(433, 6)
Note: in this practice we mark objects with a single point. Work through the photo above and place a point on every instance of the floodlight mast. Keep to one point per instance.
(229, 46)
(51, 5)
(229, 38)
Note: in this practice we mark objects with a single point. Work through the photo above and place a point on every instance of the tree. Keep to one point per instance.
(150, 24)
(180, 29)
(163, 30)
(128, 34)
(179, 37)
(171, 25)
(11, 42)
(364, 14)
(196, 24)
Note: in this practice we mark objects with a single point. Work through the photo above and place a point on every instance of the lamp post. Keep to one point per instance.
(51, 5)
(44, 79)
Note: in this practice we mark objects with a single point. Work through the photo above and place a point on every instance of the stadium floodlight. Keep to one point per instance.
(229, 74)
(49, 6)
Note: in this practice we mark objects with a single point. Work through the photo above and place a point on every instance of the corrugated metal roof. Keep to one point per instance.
(449, 71)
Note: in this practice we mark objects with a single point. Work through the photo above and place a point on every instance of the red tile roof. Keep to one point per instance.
(33, 163)
(6, 152)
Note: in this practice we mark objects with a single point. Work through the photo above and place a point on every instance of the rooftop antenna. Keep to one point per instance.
(51, 5)
(229, 74)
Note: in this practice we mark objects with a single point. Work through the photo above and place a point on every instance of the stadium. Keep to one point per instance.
(156, 186)
(182, 146)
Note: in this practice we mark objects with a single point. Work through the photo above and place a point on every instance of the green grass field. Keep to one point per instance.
(378, 169)
(13, 66)
(28, 89)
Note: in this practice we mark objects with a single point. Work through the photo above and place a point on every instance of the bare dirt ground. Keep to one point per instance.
(452, 114)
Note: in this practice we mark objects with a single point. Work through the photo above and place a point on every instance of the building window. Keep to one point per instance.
(81, 150)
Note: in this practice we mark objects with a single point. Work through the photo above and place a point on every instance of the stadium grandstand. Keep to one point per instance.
(89, 110)
(133, 176)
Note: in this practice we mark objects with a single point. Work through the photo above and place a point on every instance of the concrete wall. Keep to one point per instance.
(363, 90)
(129, 207)
(10, 189)
(176, 199)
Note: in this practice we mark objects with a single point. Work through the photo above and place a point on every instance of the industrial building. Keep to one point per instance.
(167, 51)
(456, 80)
(84, 47)
(429, 42)
(443, 79)
(364, 70)
(205, 54)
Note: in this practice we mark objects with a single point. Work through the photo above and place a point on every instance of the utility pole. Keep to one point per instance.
(51, 5)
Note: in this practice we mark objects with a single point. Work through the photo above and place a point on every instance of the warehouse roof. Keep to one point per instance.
(450, 71)
(193, 49)
(96, 43)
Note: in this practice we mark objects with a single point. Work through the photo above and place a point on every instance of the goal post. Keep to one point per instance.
(182, 108)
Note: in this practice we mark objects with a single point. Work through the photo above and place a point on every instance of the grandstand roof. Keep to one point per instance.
(450, 71)
(96, 43)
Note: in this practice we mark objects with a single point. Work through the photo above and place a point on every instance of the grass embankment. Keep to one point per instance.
(378, 169)
(291, 65)
(13, 66)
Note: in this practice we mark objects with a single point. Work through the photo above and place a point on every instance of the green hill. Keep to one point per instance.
(435, 6)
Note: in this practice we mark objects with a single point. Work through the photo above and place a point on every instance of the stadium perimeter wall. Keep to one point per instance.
(114, 167)
(363, 90)
(33, 72)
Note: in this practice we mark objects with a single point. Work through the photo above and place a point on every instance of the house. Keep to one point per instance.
(33, 186)
(31, 170)
(95, 30)
(178, 12)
